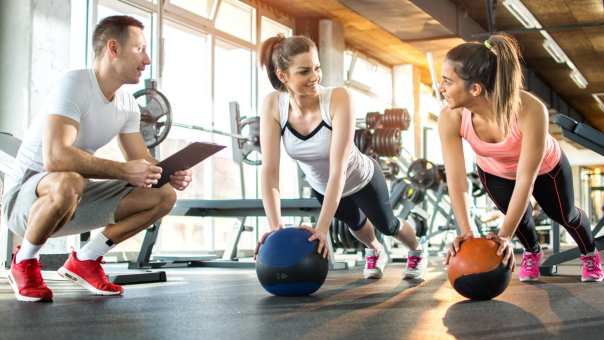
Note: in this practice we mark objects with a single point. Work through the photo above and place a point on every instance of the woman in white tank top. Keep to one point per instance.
(316, 125)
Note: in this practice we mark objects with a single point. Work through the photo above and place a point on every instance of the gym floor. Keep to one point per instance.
(210, 303)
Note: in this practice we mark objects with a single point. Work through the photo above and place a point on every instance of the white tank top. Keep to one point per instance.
(312, 151)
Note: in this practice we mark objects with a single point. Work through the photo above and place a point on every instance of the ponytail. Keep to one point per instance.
(508, 78)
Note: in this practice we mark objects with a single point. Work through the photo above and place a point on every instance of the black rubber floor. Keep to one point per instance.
(207, 303)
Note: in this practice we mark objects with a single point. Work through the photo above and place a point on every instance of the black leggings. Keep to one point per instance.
(373, 202)
(554, 193)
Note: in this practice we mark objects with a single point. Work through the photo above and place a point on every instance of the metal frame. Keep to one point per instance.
(240, 208)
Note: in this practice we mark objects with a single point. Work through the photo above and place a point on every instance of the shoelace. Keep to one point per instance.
(590, 263)
(97, 270)
(33, 274)
(527, 263)
(413, 261)
(371, 261)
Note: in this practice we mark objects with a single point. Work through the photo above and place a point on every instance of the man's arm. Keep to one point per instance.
(133, 147)
(59, 154)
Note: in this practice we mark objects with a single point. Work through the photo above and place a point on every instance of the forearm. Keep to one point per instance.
(271, 201)
(333, 194)
(517, 206)
(460, 202)
(87, 165)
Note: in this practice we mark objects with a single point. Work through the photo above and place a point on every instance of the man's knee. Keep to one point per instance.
(167, 199)
(68, 183)
(66, 190)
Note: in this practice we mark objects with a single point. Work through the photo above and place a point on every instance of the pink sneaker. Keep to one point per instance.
(592, 268)
(529, 267)
(374, 264)
(417, 262)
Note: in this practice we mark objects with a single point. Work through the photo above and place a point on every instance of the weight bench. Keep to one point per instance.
(592, 139)
(240, 208)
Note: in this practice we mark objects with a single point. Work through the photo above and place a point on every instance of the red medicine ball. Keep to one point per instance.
(476, 271)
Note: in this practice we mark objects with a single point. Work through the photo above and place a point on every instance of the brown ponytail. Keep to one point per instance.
(508, 79)
(276, 53)
(495, 65)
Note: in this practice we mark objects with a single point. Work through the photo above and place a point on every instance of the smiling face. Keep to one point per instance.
(304, 74)
(454, 89)
(131, 57)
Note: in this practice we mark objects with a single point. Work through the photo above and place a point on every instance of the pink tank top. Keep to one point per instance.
(501, 159)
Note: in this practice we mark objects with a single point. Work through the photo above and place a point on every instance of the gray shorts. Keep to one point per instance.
(96, 209)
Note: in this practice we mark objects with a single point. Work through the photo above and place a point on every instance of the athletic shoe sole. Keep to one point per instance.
(13, 284)
(69, 275)
(591, 279)
(528, 279)
(372, 274)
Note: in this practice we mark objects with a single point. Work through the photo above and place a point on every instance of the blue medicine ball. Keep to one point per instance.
(288, 264)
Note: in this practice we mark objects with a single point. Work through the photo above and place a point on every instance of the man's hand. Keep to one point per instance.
(180, 180)
(141, 173)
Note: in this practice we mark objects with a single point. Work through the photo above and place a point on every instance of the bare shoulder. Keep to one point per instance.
(531, 105)
(270, 106)
(450, 117)
(340, 95)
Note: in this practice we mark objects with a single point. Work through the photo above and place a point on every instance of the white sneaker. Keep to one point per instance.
(374, 264)
(417, 262)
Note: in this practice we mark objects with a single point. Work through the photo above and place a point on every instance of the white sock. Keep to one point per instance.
(28, 251)
(96, 247)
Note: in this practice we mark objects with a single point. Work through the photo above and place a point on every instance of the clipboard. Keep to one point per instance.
(186, 158)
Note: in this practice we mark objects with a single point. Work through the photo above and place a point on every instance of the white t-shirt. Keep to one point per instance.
(79, 97)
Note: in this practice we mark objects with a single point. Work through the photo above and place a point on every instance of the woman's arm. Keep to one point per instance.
(533, 124)
(449, 125)
(341, 143)
(270, 138)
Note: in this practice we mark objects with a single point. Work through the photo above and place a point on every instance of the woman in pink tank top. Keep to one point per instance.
(516, 157)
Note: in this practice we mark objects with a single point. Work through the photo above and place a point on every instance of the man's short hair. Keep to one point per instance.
(113, 27)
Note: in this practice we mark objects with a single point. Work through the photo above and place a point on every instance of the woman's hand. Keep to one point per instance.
(505, 248)
(318, 234)
(454, 248)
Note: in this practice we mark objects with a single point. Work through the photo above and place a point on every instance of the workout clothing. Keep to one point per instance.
(554, 193)
(501, 159)
(77, 96)
(372, 202)
(311, 152)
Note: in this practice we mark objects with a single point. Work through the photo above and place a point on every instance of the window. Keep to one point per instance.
(238, 19)
(370, 84)
(271, 28)
(77, 43)
(200, 7)
(232, 82)
(186, 84)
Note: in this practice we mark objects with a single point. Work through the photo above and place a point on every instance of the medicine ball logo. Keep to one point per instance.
(281, 276)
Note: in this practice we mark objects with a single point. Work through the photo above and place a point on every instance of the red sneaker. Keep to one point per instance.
(90, 275)
(25, 278)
